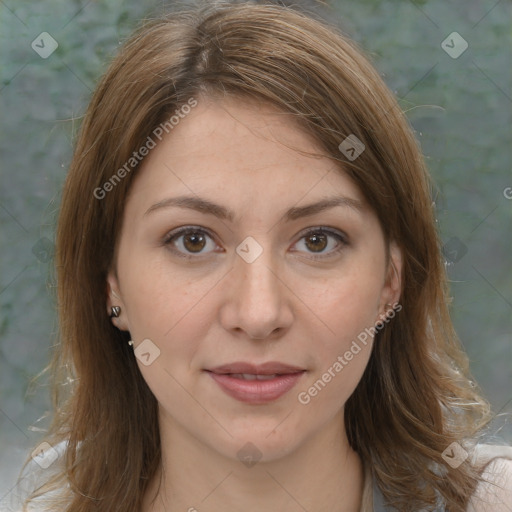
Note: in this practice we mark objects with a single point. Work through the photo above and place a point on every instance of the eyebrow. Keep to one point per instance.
(296, 212)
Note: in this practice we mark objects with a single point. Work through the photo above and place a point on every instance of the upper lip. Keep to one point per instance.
(269, 368)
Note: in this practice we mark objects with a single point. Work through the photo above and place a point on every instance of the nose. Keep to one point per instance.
(256, 299)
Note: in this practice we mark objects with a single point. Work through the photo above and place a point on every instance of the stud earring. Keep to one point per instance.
(115, 311)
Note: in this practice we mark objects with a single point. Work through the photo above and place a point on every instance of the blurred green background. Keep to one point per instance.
(459, 103)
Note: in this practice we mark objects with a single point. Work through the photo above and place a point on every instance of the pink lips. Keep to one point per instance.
(240, 380)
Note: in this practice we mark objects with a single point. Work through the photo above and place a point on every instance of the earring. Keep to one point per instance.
(115, 311)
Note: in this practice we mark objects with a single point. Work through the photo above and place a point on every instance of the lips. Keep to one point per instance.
(256, 384)
(270, 368)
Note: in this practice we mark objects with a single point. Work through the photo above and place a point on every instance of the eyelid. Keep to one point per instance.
(326, 230)
(185, 230)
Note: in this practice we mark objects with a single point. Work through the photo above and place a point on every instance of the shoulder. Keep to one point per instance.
(494, 493)
(46, 462)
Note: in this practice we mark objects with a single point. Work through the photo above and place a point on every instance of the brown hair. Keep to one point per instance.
(415, 397)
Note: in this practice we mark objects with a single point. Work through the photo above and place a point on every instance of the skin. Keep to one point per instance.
(216, 308)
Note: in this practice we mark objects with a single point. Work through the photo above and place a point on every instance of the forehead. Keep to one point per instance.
(241, 153)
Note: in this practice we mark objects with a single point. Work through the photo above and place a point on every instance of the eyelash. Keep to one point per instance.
(341, 238)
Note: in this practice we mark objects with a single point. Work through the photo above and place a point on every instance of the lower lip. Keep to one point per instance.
(256, 391)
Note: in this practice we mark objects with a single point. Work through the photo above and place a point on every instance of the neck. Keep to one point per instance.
(323, 475)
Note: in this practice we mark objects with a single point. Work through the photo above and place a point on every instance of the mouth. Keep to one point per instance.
(256, 384)
(251, 376)
(270, 368)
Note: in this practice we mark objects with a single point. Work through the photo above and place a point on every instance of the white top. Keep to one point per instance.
(493, 495)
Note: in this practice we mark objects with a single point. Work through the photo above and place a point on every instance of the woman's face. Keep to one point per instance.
(265, 275)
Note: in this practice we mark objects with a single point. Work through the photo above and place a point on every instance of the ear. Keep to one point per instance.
(392, 288)
(114, 298)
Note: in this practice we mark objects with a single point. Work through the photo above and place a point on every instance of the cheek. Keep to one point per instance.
(340, 355)
(174, 312)
(327, 391)
(346, 305)
(159, 302)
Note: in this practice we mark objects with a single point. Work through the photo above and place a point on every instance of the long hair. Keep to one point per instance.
(415, 397)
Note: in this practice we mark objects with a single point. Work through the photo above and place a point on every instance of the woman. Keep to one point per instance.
(253, 306)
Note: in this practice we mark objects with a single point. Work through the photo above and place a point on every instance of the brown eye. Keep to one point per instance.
(194, 242)
(190, 241)
(316, 242)
(324, 242)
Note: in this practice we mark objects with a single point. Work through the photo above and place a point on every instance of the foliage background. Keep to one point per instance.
(460, 109)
